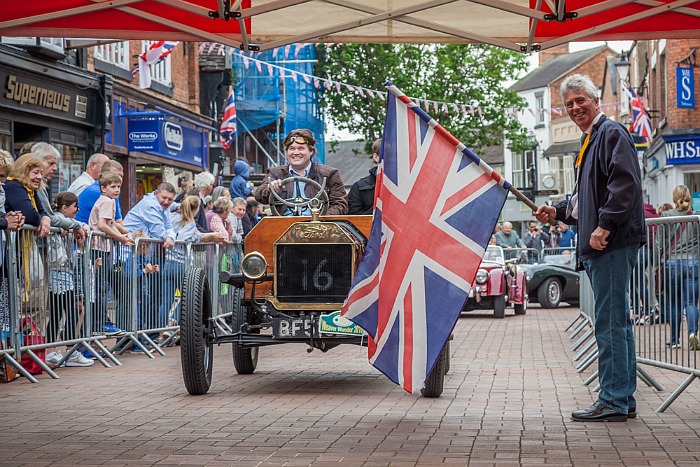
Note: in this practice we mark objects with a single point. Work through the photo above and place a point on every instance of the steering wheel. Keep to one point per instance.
(297, 204)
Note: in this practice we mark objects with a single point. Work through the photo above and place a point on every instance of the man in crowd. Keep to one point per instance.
(361, 196)
(568, 237)
(89, 196)
(510, 241)
(49, 155)
(301, 147)
(151, 215)
(91, 174)
(535, 239)
(607, 206)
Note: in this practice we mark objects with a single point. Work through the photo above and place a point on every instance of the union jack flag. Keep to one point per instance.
(640, 122)
(435, 209)
(227, 132)
(156, 53)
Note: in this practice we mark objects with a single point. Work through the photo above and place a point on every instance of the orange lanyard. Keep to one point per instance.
(579, 159)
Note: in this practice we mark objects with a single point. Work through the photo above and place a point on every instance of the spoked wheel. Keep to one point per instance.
(436, 379)
(245, 360)
(549, 293)
(196, 348)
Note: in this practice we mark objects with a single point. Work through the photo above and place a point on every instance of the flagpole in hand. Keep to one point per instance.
(528, 202)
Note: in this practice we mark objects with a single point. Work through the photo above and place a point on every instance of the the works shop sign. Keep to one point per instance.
(27, 93)
(167, 138)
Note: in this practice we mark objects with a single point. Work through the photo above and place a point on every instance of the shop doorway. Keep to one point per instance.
(28, 134)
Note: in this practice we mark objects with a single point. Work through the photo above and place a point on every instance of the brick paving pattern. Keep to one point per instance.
(507, 401)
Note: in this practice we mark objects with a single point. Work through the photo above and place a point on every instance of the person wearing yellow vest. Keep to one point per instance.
(607, 207)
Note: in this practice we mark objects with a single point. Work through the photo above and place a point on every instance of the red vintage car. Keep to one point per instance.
(498, 284)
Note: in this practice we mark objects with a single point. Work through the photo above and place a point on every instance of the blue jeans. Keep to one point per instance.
(682, 292)
(173, 273)
(610, 276)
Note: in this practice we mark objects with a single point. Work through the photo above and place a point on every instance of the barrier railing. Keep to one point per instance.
(55, 292)
(664, 290)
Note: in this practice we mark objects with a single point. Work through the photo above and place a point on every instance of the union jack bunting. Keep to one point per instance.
(640, 122)
(435, 209)
(156, 53)
(227, 132)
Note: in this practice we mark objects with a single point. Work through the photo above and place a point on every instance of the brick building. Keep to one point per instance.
(663, 73)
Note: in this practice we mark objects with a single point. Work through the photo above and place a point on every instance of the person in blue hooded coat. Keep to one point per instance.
(240, 186)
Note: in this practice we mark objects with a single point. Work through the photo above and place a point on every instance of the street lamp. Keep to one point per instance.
(623, 66)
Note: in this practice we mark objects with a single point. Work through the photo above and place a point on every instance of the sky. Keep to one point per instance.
(333, 133)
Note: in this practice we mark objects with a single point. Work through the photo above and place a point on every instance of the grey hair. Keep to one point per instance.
(203, 180)
(217, 192)
(95, 159)
(43, 150)
(576, 83)
(238, 201)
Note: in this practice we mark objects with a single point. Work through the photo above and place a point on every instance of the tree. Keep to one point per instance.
(470, 74)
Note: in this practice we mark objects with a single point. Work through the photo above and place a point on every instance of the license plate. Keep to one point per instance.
(285, 328)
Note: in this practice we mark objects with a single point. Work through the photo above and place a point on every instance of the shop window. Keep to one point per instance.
(70, 166)
(160, 72)
(116, 53)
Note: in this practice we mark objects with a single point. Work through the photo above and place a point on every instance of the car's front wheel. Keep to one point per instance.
(521, 308)
(549, 293)
(499, 304)
(196, 347)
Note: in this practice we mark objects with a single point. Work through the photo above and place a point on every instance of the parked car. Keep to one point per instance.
(293, 280)
(498, 284)
(554, 279)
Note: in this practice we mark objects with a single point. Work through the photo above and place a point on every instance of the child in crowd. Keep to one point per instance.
(63, 299)
(220, 222)
(102, 220)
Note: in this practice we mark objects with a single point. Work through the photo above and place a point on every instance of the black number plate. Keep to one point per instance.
(285, 328)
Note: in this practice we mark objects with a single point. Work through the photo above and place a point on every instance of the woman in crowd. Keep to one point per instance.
(216, 193)
(678, 250)
(21, 186)
(185, 228)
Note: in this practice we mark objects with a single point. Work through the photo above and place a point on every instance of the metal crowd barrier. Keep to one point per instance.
(663, 295)
(59, 293)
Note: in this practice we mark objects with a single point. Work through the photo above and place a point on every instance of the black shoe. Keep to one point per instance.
(632, 412)
(598, 413)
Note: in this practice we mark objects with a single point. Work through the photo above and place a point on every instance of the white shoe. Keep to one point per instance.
(54, 357)
(77, 359)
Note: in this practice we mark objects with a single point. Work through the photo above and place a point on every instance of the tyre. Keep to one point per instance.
(549, 293)
(499, 304)
(245, 360)
(196, 348)
(436, 379)
(447, 357)
(521, 308)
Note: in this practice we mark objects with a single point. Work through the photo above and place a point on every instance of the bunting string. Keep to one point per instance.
(340, 87)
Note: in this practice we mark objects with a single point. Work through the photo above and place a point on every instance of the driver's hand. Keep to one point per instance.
(276, 185)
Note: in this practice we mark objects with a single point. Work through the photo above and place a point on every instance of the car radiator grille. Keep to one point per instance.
(314, 273)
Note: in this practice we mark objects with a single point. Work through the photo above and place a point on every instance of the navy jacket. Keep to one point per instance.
(361, 196)
(609, 191)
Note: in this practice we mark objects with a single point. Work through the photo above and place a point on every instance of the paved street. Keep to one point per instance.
(507, 401)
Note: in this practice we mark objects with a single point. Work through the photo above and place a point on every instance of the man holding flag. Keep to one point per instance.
(424, 248)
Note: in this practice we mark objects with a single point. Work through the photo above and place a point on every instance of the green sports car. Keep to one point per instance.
(553, 280)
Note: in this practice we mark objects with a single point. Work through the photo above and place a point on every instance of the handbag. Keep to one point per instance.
(32, 336)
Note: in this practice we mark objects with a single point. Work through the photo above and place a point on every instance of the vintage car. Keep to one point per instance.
(293, 280)
(554, 279)
(498, 284)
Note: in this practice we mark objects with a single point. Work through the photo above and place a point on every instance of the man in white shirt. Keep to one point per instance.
(91, 174)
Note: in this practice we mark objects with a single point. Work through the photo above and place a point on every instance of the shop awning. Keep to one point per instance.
(563, 149)
(512, 24)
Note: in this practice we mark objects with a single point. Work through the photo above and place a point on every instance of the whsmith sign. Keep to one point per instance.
(167, 138)
(682, 149)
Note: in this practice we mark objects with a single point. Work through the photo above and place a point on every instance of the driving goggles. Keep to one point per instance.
(289, 140)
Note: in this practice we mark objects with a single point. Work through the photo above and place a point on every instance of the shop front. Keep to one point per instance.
(45, 100)
(672, 160)
(158, 145)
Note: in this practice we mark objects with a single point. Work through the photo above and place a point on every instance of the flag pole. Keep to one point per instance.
(527, 201)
